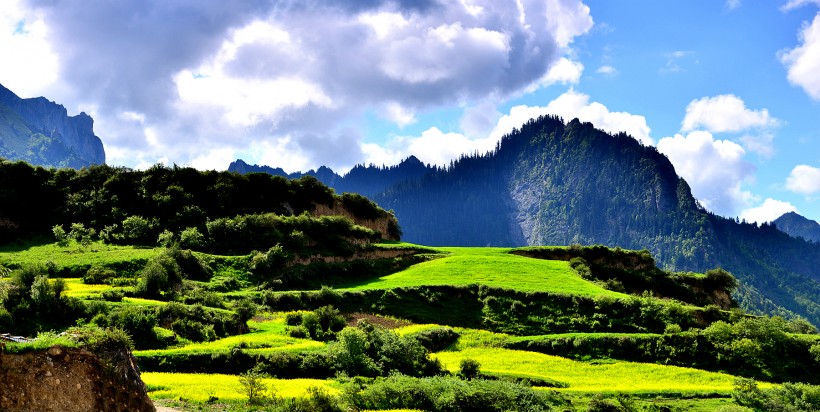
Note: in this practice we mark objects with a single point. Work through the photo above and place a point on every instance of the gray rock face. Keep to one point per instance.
(73, 135)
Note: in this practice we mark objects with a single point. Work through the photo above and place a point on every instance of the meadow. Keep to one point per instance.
(95, 254)
(592, 377)
(494, 267)
(266, 336)
(200, 387)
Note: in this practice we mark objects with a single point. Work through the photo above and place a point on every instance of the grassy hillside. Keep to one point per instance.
(539, 329)
(494, 267)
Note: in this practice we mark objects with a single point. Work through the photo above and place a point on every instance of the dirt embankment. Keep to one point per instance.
(71, 380)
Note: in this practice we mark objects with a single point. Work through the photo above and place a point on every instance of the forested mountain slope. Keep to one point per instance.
(798, 226)
(41, 132)
(551, 183)
(366, 180)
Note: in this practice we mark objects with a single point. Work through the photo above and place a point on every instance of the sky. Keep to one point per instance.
(728, 90)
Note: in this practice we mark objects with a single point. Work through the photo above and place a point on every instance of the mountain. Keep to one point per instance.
(798, 226)
(366, 180)
(556, 183)
(42, 133)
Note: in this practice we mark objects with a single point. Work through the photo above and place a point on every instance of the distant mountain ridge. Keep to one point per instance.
(365, 180)
(555, 183)
(42, 133)
(799, 226)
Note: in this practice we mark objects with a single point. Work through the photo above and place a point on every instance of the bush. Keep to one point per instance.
(298, 332)
(137, 229)
(253, 387)
(469, 368)
(166, 238)
(191, 238)
(437, 339)
(60, 235)
(293, 318)
(96, 275)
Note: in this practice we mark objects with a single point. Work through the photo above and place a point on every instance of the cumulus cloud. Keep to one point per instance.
(30, 65)
(770, 210)
(483, 127)
(804, 179)
(803, 62)
(212, 76)
(724, 113)
(714, 169)
(728, 113)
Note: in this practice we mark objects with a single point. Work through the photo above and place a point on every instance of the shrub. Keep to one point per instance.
(253, 387)
(293, 318)
(469, 368)
(299, 332)
(437, 339)
(113, 295)
(191, 238)
(96, 275)
(166, 238)
(60, 235)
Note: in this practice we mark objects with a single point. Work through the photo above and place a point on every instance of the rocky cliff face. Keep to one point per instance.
(41, 132)
(71, 380)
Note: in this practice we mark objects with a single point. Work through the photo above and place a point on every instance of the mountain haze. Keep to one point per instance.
(798, 226)
(551, 183)
(42, 133)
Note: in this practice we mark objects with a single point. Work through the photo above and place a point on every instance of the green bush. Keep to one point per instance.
(437, 339)
(449, 394)
(469, 368)
(191, 238)
(293, 319)
(96, 275)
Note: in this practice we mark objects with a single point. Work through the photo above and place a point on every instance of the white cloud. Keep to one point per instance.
(732, 4)
(803, 62)
(483, 127)
(608, 71)
(398, 114)
(29, 65)
(230, 75)
(770, 210)
(564, 71)
(793, 4)
(724, 113)
(714, 169)
(804, 179)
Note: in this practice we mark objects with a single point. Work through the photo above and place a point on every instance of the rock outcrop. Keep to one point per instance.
(41, 132)
(71, 380)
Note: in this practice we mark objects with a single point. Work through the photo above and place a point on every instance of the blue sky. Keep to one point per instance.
(729, 91)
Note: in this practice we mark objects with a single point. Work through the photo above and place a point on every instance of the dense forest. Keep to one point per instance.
(366, 180)
(555, 183)
(135, 207)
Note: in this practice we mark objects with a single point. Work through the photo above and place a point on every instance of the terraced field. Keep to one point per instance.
(494, 267)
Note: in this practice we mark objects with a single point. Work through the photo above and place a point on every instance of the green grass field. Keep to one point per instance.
(198, 388)
(494, 267)
(266, 336)
(620, 377)
(72, 255)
